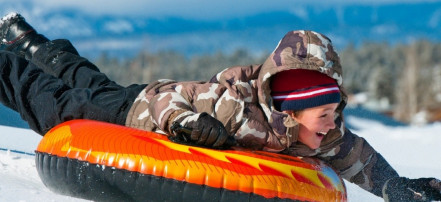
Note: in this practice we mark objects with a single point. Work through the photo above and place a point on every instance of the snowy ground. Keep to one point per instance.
(413, 151)
(19, 180)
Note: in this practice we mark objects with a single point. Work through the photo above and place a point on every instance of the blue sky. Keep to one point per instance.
(69, 19)
(192, 9)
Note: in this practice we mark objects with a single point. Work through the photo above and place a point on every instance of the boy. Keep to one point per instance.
(292, 103)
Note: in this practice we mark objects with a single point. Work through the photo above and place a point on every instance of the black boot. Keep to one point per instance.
(18, 36)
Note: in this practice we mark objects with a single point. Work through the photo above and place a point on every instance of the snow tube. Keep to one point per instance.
(107, 162)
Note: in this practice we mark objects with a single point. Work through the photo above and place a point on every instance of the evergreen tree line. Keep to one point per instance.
(407, 76)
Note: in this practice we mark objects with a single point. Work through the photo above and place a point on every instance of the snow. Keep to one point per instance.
(413, 151)
(19, 180)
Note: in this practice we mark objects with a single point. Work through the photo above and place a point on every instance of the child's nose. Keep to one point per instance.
(330, 123)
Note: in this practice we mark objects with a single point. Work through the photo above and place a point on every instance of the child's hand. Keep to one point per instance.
(405, 189)
(210, 132)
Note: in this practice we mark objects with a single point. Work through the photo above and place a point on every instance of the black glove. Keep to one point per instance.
(405, 189)
(210, 132)
(205, 131)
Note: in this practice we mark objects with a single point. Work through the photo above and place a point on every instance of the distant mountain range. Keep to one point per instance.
(126, 35)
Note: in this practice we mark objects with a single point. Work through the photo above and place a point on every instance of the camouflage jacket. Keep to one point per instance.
(240, 98)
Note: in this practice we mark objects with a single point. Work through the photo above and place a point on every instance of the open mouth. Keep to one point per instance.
(320, 134)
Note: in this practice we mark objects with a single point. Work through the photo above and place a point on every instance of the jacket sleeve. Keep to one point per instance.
(158, 105)
(168, 107)
(359, 163)
(183, 102)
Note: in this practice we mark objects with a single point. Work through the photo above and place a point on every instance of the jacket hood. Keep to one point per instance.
(300, 49)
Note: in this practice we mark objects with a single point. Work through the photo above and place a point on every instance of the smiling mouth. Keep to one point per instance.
(321, 134)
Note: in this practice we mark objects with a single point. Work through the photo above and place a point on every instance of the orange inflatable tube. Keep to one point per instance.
(102, 161)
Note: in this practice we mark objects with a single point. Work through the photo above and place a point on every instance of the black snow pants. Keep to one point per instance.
(58, 85)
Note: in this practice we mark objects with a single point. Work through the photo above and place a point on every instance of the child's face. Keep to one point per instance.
(315, 123)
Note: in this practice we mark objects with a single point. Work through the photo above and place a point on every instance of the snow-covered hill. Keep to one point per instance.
(413, 151)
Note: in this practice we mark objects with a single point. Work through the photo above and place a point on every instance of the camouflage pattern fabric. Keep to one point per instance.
(240, 98)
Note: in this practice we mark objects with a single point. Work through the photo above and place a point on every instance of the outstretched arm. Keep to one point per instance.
(359, 163)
